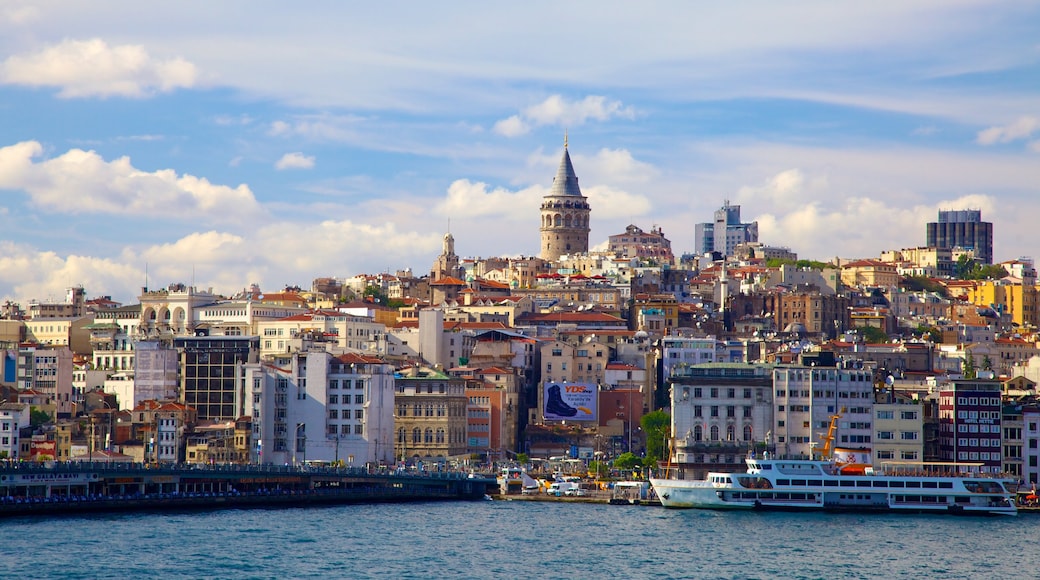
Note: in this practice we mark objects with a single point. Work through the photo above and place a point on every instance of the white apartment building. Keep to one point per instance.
(1030, 445)
(806, 399)
(347, 332)
(13, 416)
(719, 411)
(49, 372)
(314, 406)
(898, 433)
(686, 351)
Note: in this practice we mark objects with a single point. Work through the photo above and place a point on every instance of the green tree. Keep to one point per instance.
(627, 460)
(968, 367)
(968, 269)
(923, 284)
(522, 458)
(658, 429)
(812, 264)
(873, 335)
(987, 364)
(38, 417)
(962, 269)
(933, 333)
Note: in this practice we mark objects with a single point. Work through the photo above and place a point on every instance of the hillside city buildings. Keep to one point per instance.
(479, 360)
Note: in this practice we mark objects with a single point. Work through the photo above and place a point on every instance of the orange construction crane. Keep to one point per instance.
(828, 440)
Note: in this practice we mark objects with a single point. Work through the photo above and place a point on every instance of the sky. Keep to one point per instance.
(229, 143)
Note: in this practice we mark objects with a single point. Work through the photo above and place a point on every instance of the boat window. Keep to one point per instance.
(881, 483)
(895, 484)
(766, 466)
(848, 483)
(946, 484)
(783, 482)
(931, 484)
(815, 482)
(863, 484)
(830, 483)
(797, 482)
(913, 484)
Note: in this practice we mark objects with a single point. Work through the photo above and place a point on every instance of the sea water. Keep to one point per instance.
(517, 540)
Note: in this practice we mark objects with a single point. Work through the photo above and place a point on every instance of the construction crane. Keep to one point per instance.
(828, 440)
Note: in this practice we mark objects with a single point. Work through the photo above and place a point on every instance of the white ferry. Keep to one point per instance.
(785, 484)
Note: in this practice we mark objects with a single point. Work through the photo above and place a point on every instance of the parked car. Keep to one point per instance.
(561, 488)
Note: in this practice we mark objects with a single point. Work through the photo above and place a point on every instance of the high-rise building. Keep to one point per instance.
(725, 233)
(970, 423)
(962, 229)
(565, 214)
(210, 373)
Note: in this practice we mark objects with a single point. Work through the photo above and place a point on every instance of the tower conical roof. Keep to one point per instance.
(565, 182)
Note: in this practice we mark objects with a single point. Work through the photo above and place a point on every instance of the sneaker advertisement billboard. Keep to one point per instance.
(570, 401)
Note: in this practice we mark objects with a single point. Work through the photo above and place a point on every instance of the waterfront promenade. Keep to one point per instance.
(28, 488)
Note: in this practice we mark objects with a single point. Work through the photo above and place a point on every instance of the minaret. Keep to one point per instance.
(565, 214)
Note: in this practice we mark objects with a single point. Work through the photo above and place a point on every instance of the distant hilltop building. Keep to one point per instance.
(635, 243)
(962, 229)
(725, 233)
(565, 214)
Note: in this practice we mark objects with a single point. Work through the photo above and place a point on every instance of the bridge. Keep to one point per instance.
(62, 488)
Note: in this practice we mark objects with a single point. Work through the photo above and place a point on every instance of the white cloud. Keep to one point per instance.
(556, 110)
(511, 127)
(615, 166)
(295, 160)
(470, 200)
(318, 127)
(1021, 128)
(82, 182)
(29, 273)
(90, 68)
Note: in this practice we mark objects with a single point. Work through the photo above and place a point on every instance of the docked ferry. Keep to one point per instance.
(830, 485)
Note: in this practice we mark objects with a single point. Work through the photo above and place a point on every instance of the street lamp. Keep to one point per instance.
(296, 443)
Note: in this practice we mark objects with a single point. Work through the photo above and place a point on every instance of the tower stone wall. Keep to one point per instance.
(564, 215)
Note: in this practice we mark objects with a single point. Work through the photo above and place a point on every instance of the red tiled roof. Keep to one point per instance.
(448, 281)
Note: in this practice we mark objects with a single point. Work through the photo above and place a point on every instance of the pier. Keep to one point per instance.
(68, 488)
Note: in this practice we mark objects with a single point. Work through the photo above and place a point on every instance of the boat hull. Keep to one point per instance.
(683, 494)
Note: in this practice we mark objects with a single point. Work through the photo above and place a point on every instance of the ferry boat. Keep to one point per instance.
(786, 484)
(845, 481)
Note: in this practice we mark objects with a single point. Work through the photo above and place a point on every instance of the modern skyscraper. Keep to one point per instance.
(725, 233)
(565, 214)
(962, 229)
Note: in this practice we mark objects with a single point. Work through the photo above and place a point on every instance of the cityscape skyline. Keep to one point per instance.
(240, 143)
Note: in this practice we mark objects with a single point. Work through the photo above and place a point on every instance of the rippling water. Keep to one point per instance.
(517, 539)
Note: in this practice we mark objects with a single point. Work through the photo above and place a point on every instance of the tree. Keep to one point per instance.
(968, 368)
(522, 458)
(812, 264)
(962, 269)
(923, 284)
(873, 335)
(627, 460)
(658, 429)
(38, 417)
(933, 333)
(987, 364)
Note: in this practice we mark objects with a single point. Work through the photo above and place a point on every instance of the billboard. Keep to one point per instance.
(570, 401)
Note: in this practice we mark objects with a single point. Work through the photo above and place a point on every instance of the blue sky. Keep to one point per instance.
(260, 142)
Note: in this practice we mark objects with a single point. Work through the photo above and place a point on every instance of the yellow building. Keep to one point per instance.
(870, 273)
(1018, 300)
